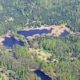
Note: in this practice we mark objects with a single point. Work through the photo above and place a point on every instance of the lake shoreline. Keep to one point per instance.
(57, 30)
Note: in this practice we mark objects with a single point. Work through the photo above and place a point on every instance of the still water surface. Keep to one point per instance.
(42, 75)
(64, 34)
(10, 42)
(33, 32)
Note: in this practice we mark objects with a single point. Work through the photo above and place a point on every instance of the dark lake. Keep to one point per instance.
(64, 34)
(42, 75)
(10, 42)
(33, 32)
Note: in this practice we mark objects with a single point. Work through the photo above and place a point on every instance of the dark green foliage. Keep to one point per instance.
(64, 61)
(38, 12)
(18, 63)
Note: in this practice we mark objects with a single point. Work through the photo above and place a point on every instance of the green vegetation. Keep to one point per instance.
(1, 8)
(65, 56)
(39, 12)
(63, 63)
(19, 63)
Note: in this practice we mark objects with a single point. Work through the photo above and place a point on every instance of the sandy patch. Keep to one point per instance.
(1, 40)
(30, 37)
(11, 19)
(58, 30)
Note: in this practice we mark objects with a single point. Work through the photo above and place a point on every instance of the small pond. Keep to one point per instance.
(42, 75)
(33, 32)
(10, 42)
(64, 34)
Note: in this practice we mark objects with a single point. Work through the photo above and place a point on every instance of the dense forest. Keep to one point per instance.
(21, 62)
(20, 13)
(63, 64)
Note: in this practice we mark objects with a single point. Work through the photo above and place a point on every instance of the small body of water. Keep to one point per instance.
(42, 75)
(10, 42)
(65, 33)
(33, 32)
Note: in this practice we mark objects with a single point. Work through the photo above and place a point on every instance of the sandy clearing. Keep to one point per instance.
(11, 19)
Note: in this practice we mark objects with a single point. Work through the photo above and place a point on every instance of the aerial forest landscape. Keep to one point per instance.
(39, 39)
